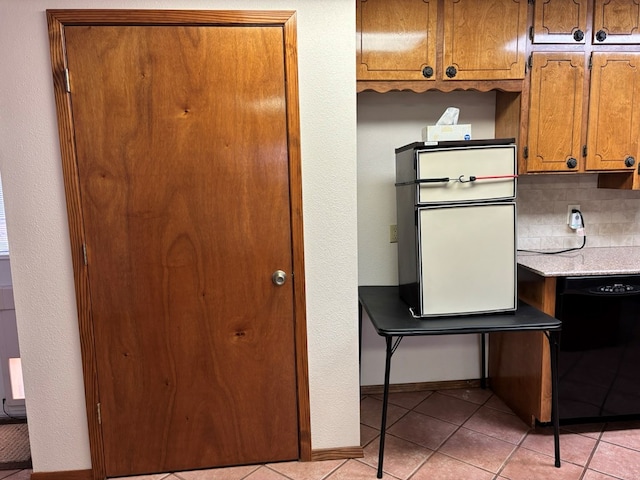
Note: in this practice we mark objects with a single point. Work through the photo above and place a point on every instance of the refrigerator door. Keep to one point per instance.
(459, 165)
(467, 259)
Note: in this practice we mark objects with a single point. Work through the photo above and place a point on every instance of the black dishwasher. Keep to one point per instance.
(599, 360)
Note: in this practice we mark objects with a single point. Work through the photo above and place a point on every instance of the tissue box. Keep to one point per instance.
(438, 133)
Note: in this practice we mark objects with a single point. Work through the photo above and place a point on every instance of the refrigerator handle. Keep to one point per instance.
(424, 180)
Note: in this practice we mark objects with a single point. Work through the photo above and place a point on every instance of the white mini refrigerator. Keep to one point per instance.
(457, 227)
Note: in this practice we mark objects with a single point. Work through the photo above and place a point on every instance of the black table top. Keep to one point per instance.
(391, 317)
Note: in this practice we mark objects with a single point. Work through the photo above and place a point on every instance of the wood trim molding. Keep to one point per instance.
(420, 386)
(342, 453)
(68, 475)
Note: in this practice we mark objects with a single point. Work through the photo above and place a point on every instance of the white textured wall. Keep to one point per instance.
(38, 232)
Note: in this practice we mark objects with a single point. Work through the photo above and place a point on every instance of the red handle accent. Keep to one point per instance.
(496, 176)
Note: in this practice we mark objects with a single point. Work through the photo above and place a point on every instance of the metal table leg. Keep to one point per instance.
(554, 342)
(391, 348)
(483, 361)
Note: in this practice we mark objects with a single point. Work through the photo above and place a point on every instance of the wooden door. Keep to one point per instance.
(560, 21)
(484, 39)
(182, 199)
(614, 112)
(396, 40)
(616, 22)
(554, 137)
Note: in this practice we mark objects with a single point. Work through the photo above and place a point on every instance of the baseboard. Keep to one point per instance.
(420, 386)
(336, 453)
(68, 475)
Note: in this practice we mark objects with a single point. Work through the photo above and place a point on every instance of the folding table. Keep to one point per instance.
(391, 319)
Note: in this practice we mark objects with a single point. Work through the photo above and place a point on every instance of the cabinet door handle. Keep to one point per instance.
(629, 161)
(572, 163)
(578, 35)
(451, 71)
(427, 72)
(601, 35)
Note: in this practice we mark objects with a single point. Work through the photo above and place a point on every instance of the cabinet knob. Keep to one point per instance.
(601, 35)
(427, 72)
(629, 161)
(451, 71)
(572, 163)
(578, 35)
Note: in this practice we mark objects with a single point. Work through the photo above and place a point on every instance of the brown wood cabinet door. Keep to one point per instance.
(560, 21)
(616, 21)
(484, 39)
(554, 140)
(183, 178)
(396, 40)
(614, 112)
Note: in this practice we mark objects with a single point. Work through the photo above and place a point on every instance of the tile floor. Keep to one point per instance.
(466, 434)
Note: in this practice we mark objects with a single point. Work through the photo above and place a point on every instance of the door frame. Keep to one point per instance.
(56, 21)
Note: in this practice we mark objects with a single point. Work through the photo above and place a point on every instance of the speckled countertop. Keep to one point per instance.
(588, 261)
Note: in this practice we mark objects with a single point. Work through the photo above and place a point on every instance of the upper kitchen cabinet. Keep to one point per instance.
(559, 21)
(614, 112)
(442, 45)
(484, 40)
(616, 22)
(554, 139)
(570, 105)
(565, 22)
(396, 39)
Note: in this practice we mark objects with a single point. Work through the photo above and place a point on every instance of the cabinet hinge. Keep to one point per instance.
(590, 60)
(99, 412)
(84, 253)
(525, 152)
(584, 150)
(530, 61)
(67, 82)
(531, 33)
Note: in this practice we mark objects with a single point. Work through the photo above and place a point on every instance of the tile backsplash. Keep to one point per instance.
(611, 217)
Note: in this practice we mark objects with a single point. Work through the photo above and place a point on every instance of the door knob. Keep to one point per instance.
(279, 277)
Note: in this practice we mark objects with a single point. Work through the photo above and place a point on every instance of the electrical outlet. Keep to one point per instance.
(570, 208)
(393, 233)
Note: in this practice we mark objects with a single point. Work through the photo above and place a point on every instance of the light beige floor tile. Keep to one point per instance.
(478, 449)
(498, 424)
(355, 470)
(6, 473)
(367, 434)
(447, 408)
(474, 395)
(574, 448)
(20, 475)
(593, 475)
(616, 461)
(307, 470)
(423, 430)
(406, 399)
(401, 458)
(624, 434)
(529, 465)
(156, 476)
(264, 473)
(229, 473)
(442, 467)
(496, 403)
(371, 412)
